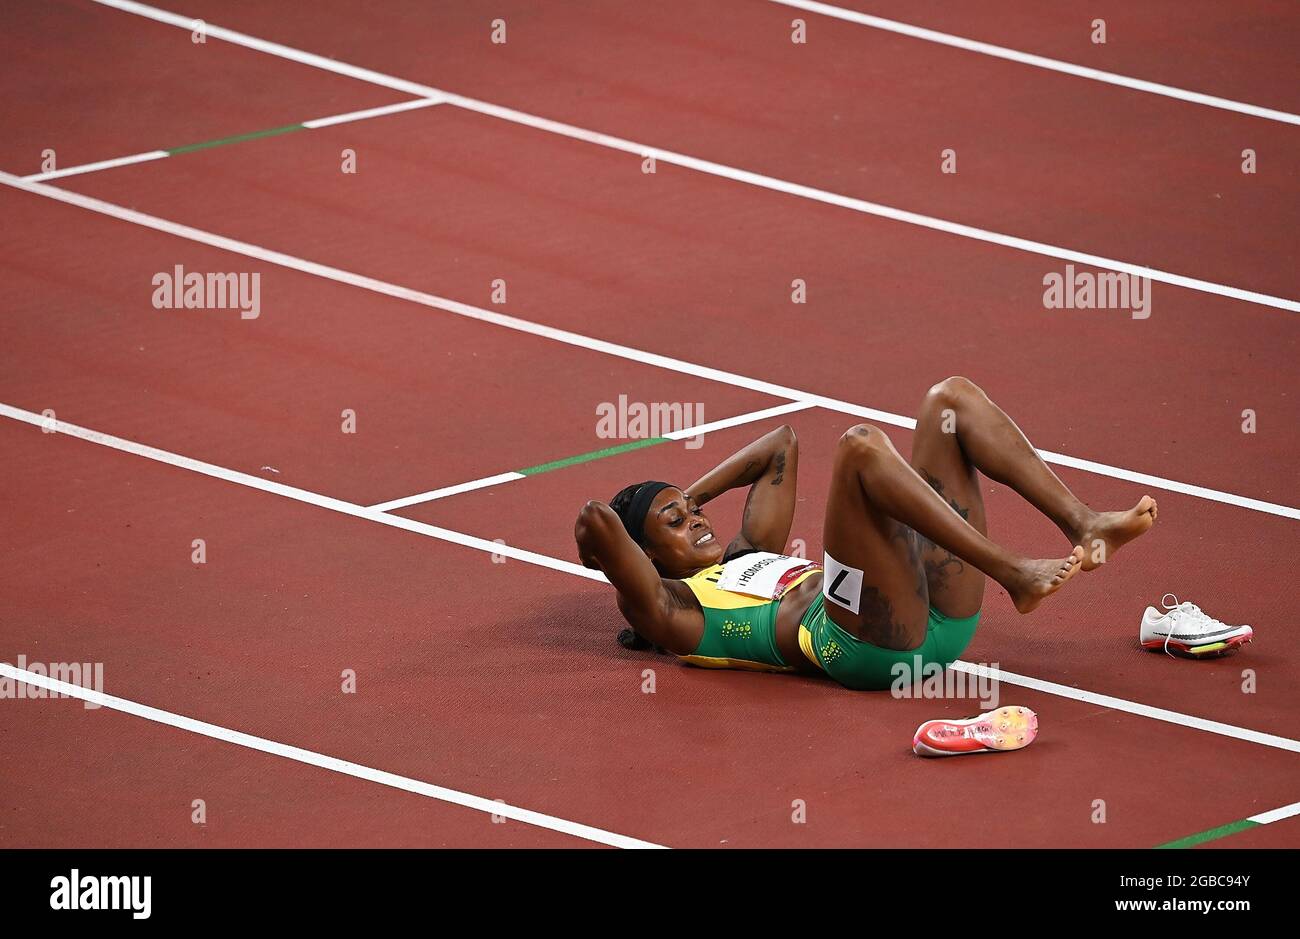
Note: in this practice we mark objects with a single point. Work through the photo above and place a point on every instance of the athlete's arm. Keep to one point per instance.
(769, 467)
(647, 605)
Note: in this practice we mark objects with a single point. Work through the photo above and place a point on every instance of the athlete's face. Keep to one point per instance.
(679, 536)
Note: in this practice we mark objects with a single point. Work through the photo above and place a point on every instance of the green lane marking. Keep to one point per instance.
(1221, 832)
(593, 455)
(240, 138)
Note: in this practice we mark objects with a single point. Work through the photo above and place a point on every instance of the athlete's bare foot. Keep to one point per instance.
(1107, 532)
(1037, 580)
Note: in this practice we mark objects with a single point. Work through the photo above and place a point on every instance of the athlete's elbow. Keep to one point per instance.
(592, 511)
(590, 518)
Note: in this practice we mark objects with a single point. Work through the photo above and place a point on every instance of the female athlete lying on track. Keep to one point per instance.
(906, 551)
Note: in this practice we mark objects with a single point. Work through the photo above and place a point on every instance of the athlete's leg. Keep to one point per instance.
(892, 602)
(876, 504)
(960, 427)
(956, 588)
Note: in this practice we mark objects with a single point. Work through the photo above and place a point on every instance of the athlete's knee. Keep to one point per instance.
(953, 391)
(864, 442)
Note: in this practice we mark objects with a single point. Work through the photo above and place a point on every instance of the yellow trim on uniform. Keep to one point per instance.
(707, 661)
(806, 645)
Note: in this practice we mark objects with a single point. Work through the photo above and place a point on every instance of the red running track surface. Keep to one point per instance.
(503, 679)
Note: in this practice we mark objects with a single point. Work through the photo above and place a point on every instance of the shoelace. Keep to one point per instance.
(1188, 610)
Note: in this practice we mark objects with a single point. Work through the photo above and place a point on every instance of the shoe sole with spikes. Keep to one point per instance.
(1006, 728)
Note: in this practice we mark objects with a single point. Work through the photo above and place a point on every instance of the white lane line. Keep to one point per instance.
(1159, 482)
(273, 48)
(596, 345)
(567, 567)
(372, 112)
(707, 166)
(875, 208)
(310, 125)
(1276, 815)
(446, 491)
(298, 495)
(701, 429)
(1129, 707)
(684, 434)
(101, 165)
(1026, 58)
(320, 760)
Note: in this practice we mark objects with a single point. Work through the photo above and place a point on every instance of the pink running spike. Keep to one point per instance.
(977, 734)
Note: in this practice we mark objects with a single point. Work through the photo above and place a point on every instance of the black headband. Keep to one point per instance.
(639, 507)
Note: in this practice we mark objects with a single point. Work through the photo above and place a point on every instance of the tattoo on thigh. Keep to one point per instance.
(915, 545)
(937, 571)
(780, 469)
(878, 613)
(937, 485)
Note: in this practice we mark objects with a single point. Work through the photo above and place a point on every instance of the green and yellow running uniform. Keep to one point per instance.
(739, 629)
(865, 667)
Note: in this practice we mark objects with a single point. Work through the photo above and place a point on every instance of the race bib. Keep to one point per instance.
(764, 574)
(842, 584)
